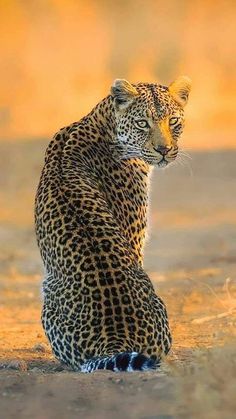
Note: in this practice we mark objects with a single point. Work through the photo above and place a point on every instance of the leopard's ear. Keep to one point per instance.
(180, 89)
(124, 93)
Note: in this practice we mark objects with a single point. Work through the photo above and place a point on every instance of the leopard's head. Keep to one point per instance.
(149, 119)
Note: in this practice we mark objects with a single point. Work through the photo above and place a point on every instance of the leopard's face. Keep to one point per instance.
(149, 120)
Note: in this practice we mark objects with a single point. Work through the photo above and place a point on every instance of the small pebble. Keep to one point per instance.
(118, 380)
(35, 369)
(40, 347)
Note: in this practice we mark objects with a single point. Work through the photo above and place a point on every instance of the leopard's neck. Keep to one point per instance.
(102, 119)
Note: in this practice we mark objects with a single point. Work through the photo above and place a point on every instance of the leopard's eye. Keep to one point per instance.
(142, 123)
(174, 120)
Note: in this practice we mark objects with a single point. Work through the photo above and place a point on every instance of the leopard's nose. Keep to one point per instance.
(163, 150)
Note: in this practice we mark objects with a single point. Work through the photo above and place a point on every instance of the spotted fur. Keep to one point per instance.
(100, 309)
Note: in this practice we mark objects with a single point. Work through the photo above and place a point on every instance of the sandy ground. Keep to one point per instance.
(190, 257)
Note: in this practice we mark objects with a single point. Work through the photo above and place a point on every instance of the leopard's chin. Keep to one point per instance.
(162, 163)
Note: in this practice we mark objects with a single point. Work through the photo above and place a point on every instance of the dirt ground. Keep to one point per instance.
(190, 256)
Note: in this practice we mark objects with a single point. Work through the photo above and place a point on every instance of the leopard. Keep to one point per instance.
(100, 309)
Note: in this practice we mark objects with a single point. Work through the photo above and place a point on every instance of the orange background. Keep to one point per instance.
(59, 57)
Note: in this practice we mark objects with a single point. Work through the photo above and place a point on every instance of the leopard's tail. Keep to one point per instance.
(124, 361)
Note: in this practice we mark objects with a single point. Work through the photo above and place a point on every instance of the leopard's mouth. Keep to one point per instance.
(153, 161)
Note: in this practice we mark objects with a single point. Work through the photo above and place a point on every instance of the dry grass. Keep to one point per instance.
(226, 300)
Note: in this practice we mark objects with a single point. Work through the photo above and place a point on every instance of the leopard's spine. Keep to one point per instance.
(124, 361)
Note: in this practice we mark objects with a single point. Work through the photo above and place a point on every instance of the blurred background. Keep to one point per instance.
(59, 57)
